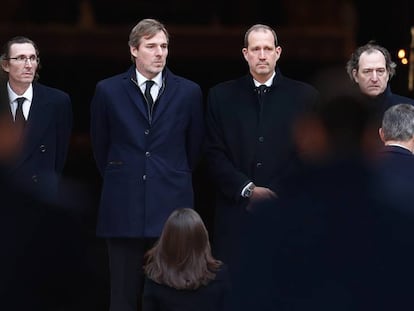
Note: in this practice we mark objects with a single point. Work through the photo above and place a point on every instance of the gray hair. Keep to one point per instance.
(398, 122)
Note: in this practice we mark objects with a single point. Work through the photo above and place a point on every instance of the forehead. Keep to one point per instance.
(372, 59)
(261, 37)
(22, 48)
(158, 38)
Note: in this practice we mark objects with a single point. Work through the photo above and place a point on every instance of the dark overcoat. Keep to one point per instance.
(250, 138)
(40, 161)
(146, 164)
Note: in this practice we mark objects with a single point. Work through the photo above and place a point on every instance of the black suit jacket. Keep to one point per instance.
(394, 169)
(39, 163)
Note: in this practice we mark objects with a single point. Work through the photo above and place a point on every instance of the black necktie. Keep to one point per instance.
(261, 89)
(147, 94)
(19, 119)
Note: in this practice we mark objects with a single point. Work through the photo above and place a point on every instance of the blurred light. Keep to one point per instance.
(404, 61)
(401, 53)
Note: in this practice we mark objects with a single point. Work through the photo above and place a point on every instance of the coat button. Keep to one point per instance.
(144, 177)
(34, 178)
(259, 164)
(147, 154)
(261, 139)
(42, 148)
(146, 132)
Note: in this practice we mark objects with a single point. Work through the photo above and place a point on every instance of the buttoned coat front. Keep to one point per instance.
(250, 138)
(146, 164)
(40, 161)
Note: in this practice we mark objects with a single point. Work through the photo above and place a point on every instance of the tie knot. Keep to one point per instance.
(20, 100)
(149, 84)
(262, 88)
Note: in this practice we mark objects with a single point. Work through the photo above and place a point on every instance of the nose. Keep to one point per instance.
(28, 63)
(262, 53)
(159, 50)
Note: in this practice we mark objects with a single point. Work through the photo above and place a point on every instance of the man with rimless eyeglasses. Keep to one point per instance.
(41, 117)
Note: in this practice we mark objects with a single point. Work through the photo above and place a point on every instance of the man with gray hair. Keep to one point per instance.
(397, 131)
(395, 180)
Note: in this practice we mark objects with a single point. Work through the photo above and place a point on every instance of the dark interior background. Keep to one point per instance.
(84, 41)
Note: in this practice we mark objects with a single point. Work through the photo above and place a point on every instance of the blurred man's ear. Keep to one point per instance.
(381, 134)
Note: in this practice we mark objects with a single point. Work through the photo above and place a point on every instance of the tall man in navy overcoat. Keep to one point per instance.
(146, 139)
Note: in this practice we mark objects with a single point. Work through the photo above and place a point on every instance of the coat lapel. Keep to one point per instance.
(134, 92)
(166, 95)
(40, 117)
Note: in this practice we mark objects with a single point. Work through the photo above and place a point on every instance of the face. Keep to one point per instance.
(372, 75)
(21, 71)
(261, 54)
(151, 55)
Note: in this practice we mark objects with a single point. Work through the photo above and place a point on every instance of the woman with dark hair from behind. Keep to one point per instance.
(181, 273)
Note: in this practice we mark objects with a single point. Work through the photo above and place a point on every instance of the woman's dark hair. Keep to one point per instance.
(182, 257)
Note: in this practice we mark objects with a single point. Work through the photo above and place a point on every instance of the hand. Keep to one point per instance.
(259, 195)
(262, 193)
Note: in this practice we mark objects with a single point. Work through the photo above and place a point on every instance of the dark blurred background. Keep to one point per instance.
(83, 41)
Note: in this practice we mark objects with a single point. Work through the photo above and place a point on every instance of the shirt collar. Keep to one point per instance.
(141, 79)
(398, 145)
(268, 83)
(28, 94)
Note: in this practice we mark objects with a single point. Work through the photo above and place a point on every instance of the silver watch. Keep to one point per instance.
(249, 190)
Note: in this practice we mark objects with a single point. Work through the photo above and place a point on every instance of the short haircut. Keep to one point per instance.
(398, 123)
(257, 27)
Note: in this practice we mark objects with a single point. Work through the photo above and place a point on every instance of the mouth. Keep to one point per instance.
(374, 87)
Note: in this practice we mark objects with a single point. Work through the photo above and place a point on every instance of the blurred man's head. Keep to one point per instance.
(398, 126)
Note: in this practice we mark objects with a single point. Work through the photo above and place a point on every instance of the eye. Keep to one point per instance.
(21, 58)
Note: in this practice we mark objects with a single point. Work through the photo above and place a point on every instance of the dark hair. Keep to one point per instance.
(20, 40)
(257, 27)
(146, 28)
(182, 257)
(371, 46)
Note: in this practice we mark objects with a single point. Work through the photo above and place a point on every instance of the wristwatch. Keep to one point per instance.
(247, 193)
